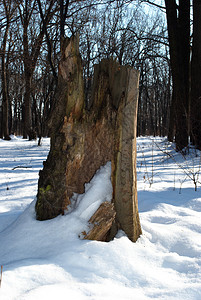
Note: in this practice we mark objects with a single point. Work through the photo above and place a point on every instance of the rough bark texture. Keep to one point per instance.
(179, 42)
(85, 138)
(101, 222)
(195, 76)
(5, 100)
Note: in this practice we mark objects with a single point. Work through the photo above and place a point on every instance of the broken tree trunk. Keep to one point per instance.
(85, 137)
(101, 222)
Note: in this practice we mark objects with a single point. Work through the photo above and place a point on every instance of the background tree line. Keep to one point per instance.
(184, 33)
(32, 36)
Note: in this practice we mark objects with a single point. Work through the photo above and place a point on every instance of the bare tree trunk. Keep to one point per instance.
(5, 128)
(27, 129)
(179, 35)
(30, 58)
(196, 76)
(63, 16)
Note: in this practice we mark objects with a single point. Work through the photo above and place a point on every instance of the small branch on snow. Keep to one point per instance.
(20, 167)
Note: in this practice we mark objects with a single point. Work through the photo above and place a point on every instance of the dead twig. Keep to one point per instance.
(21, 167)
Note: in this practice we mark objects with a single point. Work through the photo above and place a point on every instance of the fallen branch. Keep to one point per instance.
(101, 222)
(20, 167)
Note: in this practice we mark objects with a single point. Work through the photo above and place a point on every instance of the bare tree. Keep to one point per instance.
(31, 53)
(196, 75)
(113, 28)
(9, 10)
(178, 20)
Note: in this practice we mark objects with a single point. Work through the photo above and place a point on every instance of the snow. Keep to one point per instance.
(47, 260)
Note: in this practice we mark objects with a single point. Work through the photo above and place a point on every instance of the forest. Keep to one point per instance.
(31, 40)
(159, 38)
(80, 78)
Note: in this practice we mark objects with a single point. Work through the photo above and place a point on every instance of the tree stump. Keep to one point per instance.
(87, 136)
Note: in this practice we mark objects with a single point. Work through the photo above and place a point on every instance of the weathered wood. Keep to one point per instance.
(54, 191)
(85, 138)
(101, 222)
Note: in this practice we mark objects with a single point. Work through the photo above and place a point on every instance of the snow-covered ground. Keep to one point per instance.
(47, 260)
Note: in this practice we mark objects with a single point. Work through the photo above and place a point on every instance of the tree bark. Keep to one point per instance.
(196, 76)
(101, 222)
(28, 71)
(179, 42)
(82, 140)
(5, 128)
